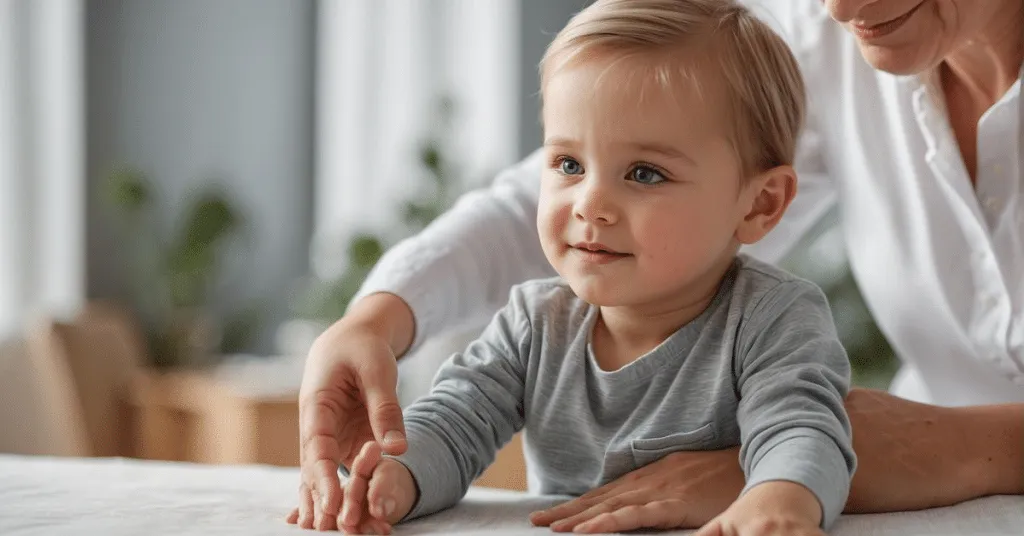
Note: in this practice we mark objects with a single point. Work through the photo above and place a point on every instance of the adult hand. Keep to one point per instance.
(348, 398)
(380, 493)
(910, 456)
(683, 489)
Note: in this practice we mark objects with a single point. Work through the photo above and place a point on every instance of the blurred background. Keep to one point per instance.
(191, 190)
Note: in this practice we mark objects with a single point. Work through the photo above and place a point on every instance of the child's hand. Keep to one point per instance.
(769, 509)
(379, 493)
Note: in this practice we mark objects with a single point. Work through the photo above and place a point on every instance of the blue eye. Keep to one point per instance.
(646, 175)
(571, 167)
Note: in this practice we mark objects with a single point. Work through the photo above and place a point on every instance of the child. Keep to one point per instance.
(670, 129)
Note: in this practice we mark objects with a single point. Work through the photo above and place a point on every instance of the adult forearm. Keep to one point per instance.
(383, 313)
(910, 456)
(996, 448)
(461, 267)
(913, 456)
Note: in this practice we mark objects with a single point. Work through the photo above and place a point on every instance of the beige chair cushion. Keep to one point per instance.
(85, 368)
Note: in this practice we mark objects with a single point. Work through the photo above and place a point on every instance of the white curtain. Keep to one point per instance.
(382, 67)
(42, 181)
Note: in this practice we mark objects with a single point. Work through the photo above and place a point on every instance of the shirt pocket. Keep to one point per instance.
(649, 450)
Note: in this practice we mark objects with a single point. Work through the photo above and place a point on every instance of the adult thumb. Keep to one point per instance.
(380, 383)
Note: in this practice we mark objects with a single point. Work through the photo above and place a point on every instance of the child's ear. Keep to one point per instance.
(766, 198)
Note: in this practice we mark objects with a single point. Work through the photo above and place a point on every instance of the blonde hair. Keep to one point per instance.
(764, 90)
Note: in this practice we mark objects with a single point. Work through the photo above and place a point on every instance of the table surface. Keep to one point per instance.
(112, 496)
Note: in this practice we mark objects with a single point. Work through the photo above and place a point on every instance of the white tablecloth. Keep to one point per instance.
(54, 496)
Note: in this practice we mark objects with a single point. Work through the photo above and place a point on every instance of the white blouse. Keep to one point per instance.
(940, 261)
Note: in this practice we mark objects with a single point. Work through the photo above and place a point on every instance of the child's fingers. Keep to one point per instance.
(381, 494)
(375, 526)
(712, 528)
(367, 460)
(355, 492)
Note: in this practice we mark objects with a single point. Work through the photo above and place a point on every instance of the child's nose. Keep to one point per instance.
(595, 204)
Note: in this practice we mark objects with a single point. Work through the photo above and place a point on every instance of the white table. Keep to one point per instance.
(79, 497)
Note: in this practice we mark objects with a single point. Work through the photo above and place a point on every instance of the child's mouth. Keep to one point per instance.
(597, 253)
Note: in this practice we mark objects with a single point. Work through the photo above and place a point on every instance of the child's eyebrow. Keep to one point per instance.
(660, 148)
(560, 141)
(666, 150)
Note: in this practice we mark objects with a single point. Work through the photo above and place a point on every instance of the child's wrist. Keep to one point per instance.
(411, 489)
(784, 498)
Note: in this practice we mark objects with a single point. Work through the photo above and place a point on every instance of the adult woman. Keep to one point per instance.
(915, 129)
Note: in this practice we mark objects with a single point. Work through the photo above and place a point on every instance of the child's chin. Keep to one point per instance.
(596, 294)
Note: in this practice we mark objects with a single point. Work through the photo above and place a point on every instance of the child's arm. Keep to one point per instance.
(792, 376)
(379, 493)
(473, 409)
(769, 509)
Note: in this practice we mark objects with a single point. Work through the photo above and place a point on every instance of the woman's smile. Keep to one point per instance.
(867, 31)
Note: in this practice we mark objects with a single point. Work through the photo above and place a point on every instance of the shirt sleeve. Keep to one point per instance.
(793, 379)
(473, 409)
(462, 266)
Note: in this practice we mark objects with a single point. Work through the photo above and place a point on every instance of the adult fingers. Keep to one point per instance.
(603, 505)
(305, 519)
(627, 483)
(320, 451)
(379, 380)
(327, 486)
(318, 511)
(666, 514)
(320, 418)
(323, 521)
(544, 518)
(293, 517)
(358, 483)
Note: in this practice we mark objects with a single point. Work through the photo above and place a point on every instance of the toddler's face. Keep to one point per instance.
(640, 194)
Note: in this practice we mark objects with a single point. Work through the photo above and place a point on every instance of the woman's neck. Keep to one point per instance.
(977, 75)
(987, 67)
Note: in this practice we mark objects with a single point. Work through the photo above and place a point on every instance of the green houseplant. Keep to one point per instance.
(323, 302)
(173, 270)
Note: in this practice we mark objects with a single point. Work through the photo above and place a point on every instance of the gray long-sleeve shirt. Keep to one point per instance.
(761, 367)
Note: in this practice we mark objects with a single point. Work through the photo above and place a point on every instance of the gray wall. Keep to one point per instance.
(541, 20)
(199, 91)
(194, 91)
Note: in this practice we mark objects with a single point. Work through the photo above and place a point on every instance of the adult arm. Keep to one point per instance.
(914, 456)
(463, 265)
(910, 456)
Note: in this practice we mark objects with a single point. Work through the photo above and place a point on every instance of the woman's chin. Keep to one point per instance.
(896, 61)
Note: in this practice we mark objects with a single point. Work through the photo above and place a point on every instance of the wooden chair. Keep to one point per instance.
(509, 468)
(85, 369)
